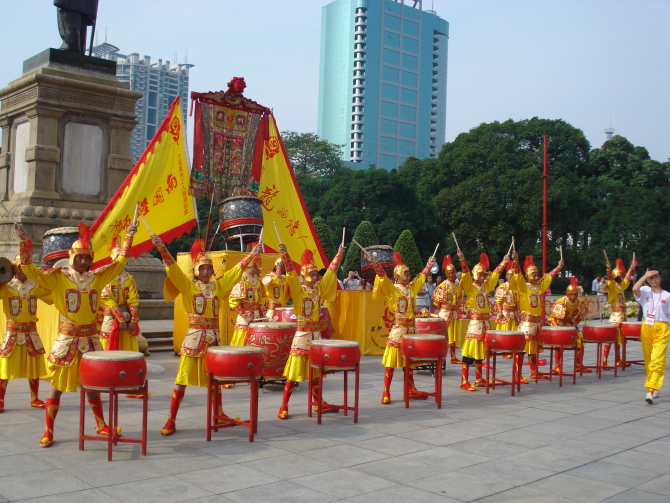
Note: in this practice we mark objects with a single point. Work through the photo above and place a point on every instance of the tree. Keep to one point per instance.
(365, 235)
(310, 155)
(325, 236)
(406, 246)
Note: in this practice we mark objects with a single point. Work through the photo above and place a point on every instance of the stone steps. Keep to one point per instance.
(158, 334)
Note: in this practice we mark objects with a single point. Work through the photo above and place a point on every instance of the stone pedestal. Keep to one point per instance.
(66, 125)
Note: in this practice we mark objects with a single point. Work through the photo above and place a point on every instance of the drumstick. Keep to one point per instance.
(277, 231)
(455, 241)
(438, 245)
(510, 247)
(137, 210)
(561, 249)
(343, 229)
(606, 259)
(513, 244)
(260, 240)
(8, 213)
(146, 225)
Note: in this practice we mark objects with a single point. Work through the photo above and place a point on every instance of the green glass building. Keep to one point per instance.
(383, 80)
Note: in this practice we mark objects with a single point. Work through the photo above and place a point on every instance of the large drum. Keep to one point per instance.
(382, 254)
(505, 340)
(631, 329)
(234, 363)
(334, 354)
(559, 336)
(56, 244)
(126, 370)
(285, 314)
(241, 218)
(274, 340)
(426, 347)
(431, 326)
(599, 332)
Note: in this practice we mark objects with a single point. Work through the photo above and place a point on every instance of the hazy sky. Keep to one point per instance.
(592, 63)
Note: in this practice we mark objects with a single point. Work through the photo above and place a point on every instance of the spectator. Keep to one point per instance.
(595, 285)
(352, 281)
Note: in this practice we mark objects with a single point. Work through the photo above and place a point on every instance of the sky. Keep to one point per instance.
(593, 63)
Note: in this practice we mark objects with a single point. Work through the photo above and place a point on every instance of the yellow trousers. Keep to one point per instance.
(654, 348)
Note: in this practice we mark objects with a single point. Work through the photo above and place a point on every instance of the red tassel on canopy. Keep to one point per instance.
(446, 262)
(397, 259)
(84, 236)
(484, 261)
(197, 248)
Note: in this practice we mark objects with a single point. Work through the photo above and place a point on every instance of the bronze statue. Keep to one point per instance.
(73, 18)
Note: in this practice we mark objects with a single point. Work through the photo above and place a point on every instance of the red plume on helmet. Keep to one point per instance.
(574, 286)
(115, 242)
(528, 262)
(574, 282)
(484, 261)
(84, 236)
(446, 262)
(197, 248)
(397, 259)
(307, 263)
(619, 265)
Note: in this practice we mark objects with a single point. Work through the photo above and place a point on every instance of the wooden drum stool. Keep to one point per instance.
(600, 333)
(560, 338)
(424, 349)
(329, 356)
(230, 365)
(113, 372)
(503, 342)
(631, 331)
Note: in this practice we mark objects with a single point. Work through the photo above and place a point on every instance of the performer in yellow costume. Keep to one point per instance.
(476, 286)
(401, 301)
(530, 300)
(655, 332)
(617, 284)
(568, 311)
(307, 309)
(247, 300)
(445, 297)
(76, 295)
(120, 310)
(507, 302)
(276, 290)
(202, 298)
(21, 349)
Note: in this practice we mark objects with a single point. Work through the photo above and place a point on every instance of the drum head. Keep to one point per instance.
(335, 343)
(424, 337)
(113, 356)
(234, 350)
(277, 325)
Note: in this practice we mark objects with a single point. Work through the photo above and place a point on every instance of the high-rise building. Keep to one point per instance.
(159, 81)
(383, 80)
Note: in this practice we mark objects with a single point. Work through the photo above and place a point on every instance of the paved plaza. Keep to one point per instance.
(595, 441)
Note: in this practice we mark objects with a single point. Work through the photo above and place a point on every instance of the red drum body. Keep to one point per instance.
(234, 363)
(424, 346)
(126, 370)
(558, 336)
(325, 323)
(505, 340)
(334, 354)
(431, 326)
(631, 328)
(599, 332)
(274, 340)
(285, 314)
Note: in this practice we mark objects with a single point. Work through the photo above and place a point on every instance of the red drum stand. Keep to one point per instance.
(330, 356)
(424, 349)
(503, 342)
(113, 372)
(631, 331)
(230, 365)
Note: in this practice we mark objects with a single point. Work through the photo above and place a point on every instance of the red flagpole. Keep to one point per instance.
(545, 177)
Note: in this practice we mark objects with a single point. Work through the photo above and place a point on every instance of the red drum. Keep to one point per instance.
(241, 218)
(505, 340)
(631, 329)
(599, 332)
(431, 326)
(274, 339)
(325, 323)
(126, 370)
(334, 354)
(234, 363)
(558, 336)
(424, 346)
(285, 314)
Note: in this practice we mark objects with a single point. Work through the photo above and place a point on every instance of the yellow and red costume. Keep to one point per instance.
(247, 299)
(479, 314)
(77, 298)
(21, 349)
(275, 289)
(120, 304)
(530, 300)
(202, 303)
(616, 285)
(445, 297)
(307, 310)
(507, 304)
(401, 302)
(566, 313)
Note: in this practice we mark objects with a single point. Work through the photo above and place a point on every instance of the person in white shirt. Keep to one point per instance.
(655, 332)
(352, 281)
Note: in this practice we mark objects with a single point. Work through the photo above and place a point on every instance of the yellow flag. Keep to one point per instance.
(283, 204)
(159, 184)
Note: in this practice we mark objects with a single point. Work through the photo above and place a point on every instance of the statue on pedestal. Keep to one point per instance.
(73, 18)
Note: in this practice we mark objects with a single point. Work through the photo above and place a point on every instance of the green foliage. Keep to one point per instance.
(310, 155)
(365, 235)
(325, 236)
(406, 246)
